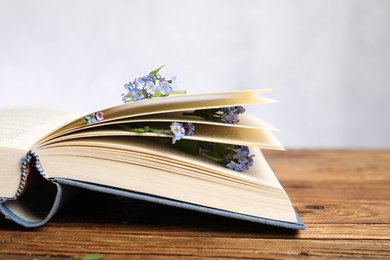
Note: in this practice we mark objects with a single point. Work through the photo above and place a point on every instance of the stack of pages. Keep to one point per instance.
(46, 154)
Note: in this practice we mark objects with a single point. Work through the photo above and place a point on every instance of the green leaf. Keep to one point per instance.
(216, 155)
(157, 94)
(132, 129)
(154, 72)
(187, 146)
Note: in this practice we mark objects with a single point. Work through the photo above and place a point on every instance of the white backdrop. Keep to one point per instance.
(327, 61)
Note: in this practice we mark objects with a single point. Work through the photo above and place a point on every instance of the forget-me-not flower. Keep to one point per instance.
(164, 87)
(178, 131)
(230, 118)
(94, 117)
(150, 87)
(190, 129)
(143, 80)
(173, 82)
(234, 166)
(241, 155)
(129, 86)
(137, 94)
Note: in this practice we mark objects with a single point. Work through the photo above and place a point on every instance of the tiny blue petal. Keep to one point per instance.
(173, 82)
(143, 80)
(151, 77)
(250, 160)
(230, 118)
(234, 166)
(150, 87)
(137, 84)
(128, 86)
(137, 94)
(241, 155)
(178, 131)
(165, 88)
(94, 117)
(240, 110)
(191, 129)
(245, 148)
(244, 167)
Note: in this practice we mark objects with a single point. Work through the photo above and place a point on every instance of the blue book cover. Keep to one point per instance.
(62, 190)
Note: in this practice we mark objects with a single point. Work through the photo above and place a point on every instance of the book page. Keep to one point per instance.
(21, 127)
(152, 167)
(246, 121)
(128, 149)
(188, 102)
(207, 133)
(174, 103)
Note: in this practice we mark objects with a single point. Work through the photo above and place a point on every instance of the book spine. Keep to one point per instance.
(37, 195)
(31, 156)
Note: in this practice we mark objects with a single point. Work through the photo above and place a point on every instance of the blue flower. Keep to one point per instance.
(178, 131)
(129, 86)
(240, 110)
(143, 80)
(137, 84)
(250, 160)
(244, 166)
(224, 110)
(94, 117)
(150, 87)
(152, 77)
(137, 94)
(124, 98)
(230, 118)
(165, 87)
(173, 82)
(89, 119)
(234, 166)
(245, 148)
(241, 155)
(242, 158)
(236, 110)
(191, 129)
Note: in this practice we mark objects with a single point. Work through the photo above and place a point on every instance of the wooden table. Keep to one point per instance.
(342, 196)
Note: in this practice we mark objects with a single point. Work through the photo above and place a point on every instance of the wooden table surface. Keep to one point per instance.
(342, 196)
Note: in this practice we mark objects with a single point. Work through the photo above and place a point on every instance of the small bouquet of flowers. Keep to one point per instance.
(154, 85)
(149, 86)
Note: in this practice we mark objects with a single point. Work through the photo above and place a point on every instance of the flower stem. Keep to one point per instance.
(178, 92)
(159, 131)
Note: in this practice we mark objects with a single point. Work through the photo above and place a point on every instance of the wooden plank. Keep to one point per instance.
(314, 231)
(61, 244)
(343, 211)
(331, 165)
(341, 191)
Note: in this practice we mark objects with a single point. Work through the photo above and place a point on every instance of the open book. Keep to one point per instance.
(46, 154)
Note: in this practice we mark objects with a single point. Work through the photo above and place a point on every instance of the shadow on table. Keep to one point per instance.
(95, 209)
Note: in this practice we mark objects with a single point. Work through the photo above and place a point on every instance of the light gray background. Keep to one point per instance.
(327, 61)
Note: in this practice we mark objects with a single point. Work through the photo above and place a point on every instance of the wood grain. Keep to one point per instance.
(342, 196)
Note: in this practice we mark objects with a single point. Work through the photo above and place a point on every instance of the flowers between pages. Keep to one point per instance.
(154, 85)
